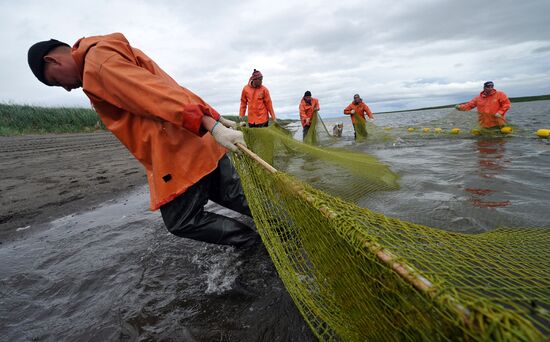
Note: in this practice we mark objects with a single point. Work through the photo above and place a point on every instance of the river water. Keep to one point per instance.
(114, 273)
(461, 182)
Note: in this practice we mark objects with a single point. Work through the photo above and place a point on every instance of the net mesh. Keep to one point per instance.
(357, 275)
(360, 127)
(318, 132)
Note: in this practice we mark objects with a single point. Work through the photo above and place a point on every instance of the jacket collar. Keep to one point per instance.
(83, 45)
(493, 92)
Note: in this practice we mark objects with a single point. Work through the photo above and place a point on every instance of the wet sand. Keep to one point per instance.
(84, 259)
(49, 176)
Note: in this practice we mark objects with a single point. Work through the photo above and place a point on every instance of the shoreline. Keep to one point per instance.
(45, 177)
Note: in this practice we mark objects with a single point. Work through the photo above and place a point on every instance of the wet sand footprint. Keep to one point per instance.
(102, 179)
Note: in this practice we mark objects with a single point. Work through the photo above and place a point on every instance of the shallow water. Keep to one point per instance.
(462, 183)
(115, 273)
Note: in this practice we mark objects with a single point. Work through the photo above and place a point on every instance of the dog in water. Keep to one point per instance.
(337, 129)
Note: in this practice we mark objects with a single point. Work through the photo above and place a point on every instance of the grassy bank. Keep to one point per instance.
(21, 119)
(280, 121)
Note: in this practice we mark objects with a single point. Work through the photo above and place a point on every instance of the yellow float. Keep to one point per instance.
(438, 130)
(475, 131)
(426, 130)
(410, 129)
(543, 133)
(506, 130)
(455, 130)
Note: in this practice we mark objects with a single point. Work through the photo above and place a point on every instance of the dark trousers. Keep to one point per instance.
(265, 124)
(305, 130)
(185, 216)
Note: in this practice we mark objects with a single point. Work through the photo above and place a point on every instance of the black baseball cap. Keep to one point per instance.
(36, 55)
(488, 84)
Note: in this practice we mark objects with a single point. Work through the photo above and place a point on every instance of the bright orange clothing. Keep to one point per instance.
(360, 109)
(488, 106)
(259, 104)
(306, 110)
(155, 118)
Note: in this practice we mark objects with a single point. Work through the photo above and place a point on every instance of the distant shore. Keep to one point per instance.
(512, 99)
(24, 119)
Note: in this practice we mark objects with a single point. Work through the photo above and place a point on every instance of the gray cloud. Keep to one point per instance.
(397, 55)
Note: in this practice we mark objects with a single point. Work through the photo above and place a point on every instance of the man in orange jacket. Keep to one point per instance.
(308, 106)
(256, 97)
(491, 104)
(360, 108)
(179, 139)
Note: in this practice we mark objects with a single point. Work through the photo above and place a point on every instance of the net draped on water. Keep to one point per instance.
(357, 275)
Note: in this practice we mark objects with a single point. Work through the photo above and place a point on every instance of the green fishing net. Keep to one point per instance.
(360, 127)
(358, 275)
(318, 132)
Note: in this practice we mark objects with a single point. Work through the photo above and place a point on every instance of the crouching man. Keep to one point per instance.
(179, 139)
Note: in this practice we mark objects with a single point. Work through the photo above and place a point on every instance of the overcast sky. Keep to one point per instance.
(397, 55)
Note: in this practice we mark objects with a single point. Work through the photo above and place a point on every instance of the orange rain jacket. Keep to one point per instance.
(488, 106)
(259, 104)
(360, 109)
(306, 110)
(155, 118)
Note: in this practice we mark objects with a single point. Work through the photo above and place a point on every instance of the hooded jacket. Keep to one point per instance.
(306, 110)
(488, 106)
(157, 120)
(360, 109)
(259, 104)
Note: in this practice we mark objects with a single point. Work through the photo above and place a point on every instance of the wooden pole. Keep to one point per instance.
(257, 158)
(404, 271)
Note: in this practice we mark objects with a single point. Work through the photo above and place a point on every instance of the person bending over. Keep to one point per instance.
(180, 140)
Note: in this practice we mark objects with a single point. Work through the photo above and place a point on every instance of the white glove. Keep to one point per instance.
(242, 123)
(371, 119)
(352, 111)
(227, 123)
(227, 137)
(498, 116)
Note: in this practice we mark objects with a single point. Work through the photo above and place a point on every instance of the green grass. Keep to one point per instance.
(22, 119)
(280, 121)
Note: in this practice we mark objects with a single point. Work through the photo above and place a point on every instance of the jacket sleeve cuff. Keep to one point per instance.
(209, 111)
(192, 118)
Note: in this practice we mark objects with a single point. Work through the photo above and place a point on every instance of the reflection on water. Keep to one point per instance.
(463, 182)
(492, 162)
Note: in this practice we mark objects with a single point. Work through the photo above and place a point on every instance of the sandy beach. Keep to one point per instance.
(48, 176)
